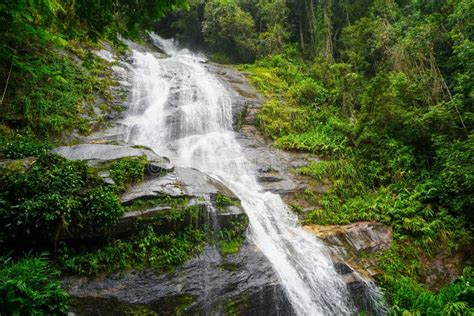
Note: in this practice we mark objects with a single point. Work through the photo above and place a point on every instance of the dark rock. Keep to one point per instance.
(342, 268)
(195, 187)
(210, 284)
(159, 166)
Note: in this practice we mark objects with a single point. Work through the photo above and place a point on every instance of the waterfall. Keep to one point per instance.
(182, 111)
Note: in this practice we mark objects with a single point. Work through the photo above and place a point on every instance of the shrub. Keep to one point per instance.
(127, 170)
(30, 287)
(146, 248)
(24, 145)
(308, 92)
(42, 203)
(103, 205)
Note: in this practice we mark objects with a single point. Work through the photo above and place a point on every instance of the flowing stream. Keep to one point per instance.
(182, 111)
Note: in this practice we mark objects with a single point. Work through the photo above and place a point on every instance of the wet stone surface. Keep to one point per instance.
(242, 283)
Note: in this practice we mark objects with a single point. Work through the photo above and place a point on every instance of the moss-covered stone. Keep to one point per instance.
(231, 238)
(222, 201)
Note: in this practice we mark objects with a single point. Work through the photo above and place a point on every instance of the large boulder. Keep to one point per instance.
(187, 190)
(346, 244)
(359, 236)
(215, 282)
(99, 154)
(210, 284)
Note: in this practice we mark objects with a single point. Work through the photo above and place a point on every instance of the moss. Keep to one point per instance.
(16, 166)
(228, 247)
(229, 240)
(222, 201)
(239, 121)
(181, 302)
(229, 266)
(237, 306)
(143, 204)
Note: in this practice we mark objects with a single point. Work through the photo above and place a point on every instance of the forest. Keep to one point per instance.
(380, 90)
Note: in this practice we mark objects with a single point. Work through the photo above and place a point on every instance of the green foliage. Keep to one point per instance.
(222, 201)
(319, 140)
(55, 196)
(23, 145)
(103, 207)
(30, 287)
(456, 175)
(127, 170)
(228, 28)
(308, 92)
(44, 86)
(231, 238)
(408, 295)
(147, 248)
(386, 100)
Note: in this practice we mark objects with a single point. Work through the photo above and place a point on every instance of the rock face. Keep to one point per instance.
(96, 154)
(243, 283)
(360, 236)
(210, 284)
(181, 188)
(346, 243)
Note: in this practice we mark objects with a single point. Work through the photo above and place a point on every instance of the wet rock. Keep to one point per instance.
(210, 284)
(246, 100)
(342, 268)
(159, 166)
(344, 243)
(180, 182)
(155, 196)
(97, 154)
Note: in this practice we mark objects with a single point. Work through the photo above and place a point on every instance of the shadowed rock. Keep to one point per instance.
(210, 284)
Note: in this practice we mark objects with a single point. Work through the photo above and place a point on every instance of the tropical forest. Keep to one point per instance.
(237, 157)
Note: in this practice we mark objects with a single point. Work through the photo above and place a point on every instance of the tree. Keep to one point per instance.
(228, 28)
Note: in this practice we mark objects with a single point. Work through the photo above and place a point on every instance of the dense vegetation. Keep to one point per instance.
(382, 92)
(51, 82)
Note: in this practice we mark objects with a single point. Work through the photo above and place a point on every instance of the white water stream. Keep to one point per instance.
(182, 111)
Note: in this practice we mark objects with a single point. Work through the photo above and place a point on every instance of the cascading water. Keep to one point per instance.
(182, 111)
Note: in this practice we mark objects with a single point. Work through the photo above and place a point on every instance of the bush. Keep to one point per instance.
(103, 205)
(24, 145)
(29, 287)
(455, 299)
(308, 92)
(146, 248)
(127, 170)
(54, 196)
